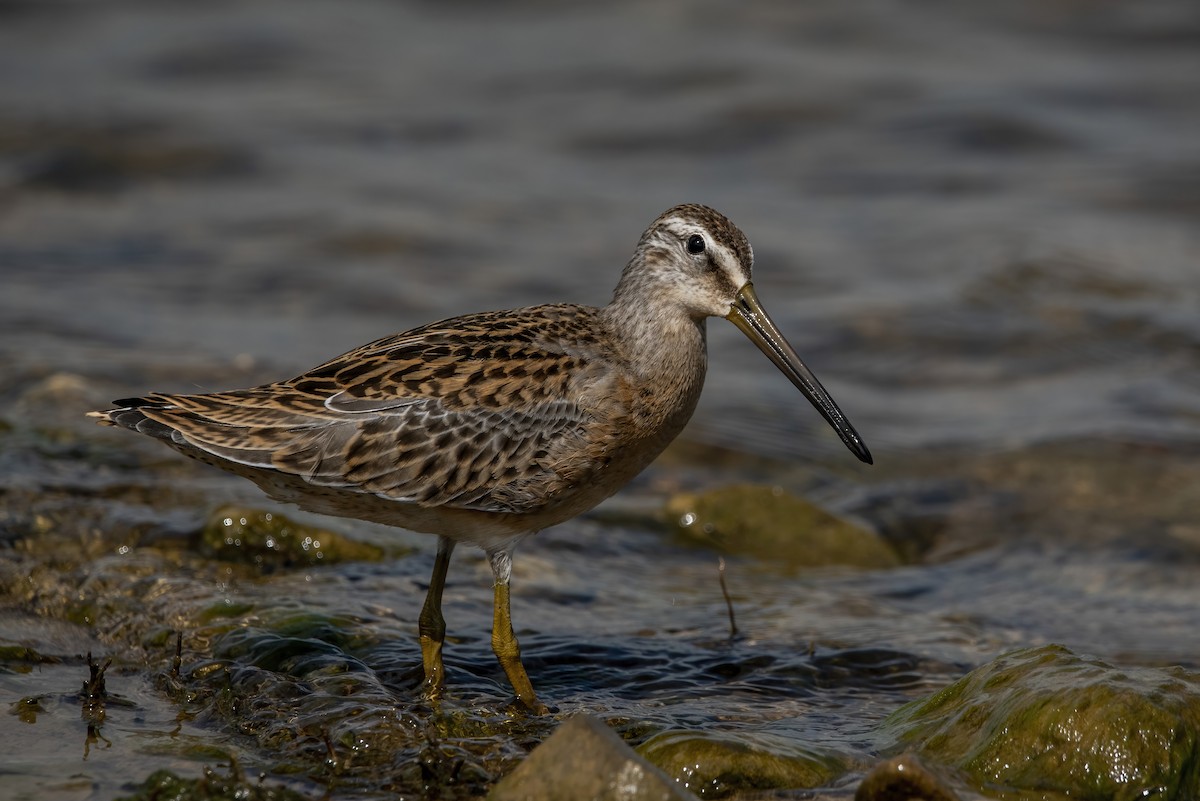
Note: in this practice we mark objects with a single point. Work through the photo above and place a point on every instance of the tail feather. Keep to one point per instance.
(103, 418)
(248, 436)
(128, 415)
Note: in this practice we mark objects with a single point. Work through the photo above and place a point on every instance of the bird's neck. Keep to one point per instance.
(664, 349)
(658, 340)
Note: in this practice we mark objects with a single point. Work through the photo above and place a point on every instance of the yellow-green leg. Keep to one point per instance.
(504, 640)
(431, 624)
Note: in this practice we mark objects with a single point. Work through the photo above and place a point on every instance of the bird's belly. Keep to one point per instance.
(486, 529)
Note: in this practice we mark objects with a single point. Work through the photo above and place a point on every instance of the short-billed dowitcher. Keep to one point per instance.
(489, 427)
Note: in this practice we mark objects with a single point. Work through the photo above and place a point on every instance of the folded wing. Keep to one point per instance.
(483, 416)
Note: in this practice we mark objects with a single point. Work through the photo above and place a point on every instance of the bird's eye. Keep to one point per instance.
(695, 244)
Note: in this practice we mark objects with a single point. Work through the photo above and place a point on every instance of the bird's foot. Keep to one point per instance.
(532, 706)
(435, 671)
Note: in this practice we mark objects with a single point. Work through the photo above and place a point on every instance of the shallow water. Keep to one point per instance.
(979, 227)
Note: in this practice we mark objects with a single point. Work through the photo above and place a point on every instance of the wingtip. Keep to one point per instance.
(107, 417)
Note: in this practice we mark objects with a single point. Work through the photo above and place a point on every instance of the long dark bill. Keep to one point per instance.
(748, 315)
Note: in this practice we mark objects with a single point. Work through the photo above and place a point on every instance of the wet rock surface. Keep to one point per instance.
(776, 527)
(1047, 722)
(270, 540)
(211, 786)
(904, 778)
(713, 765)
(583, 758)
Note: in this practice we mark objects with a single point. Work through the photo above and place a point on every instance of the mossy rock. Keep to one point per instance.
(163, 785)
(1045, 723)
(714, 765)
(770, 524)
(21, 657)
(904, 778)
(270, 540)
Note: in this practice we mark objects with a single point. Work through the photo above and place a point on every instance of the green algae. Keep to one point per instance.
(904, 778)
(1044, 720)
(270, 541)
(224, 609)
(20, 657)
(27, 709)
(772, 525)
(163, 785)
(714, 765)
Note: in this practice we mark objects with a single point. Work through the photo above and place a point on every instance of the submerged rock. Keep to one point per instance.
(271, 540)
(1044, 720)
(770, 524)
(903, 778)
(212, 786)
(585, 759)
(713, 765)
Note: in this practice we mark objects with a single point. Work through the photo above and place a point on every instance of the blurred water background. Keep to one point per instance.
(978, 223)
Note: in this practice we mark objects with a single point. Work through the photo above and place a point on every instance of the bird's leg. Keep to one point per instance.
(504, 641)
(431, 624)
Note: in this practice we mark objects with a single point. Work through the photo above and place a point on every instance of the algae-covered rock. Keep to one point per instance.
(903, 778)
(1044, 720)
(713, 765)
(271, 540)
(586, 759)
(770, 524)
(212, 786)
(18, 657)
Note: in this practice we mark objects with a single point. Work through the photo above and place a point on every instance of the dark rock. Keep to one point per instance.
(584, 759)
(903, 778)
(212, 786)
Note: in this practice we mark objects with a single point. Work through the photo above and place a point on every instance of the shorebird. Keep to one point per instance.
(487, 428)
